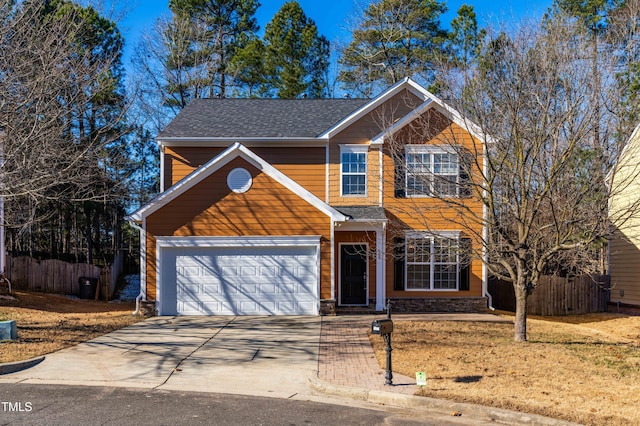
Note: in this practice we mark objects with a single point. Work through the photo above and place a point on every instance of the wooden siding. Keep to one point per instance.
(428, 213)
(356, 237)
(361, 132)
(415, 212)
(211, 209)
(306, 166)
(180, 161)
(624, 243)
(624, 267)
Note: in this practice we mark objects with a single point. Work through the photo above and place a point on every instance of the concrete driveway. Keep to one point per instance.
(267, 356)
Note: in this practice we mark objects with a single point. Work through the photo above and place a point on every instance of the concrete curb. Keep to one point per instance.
(12, 367)
(411, 401)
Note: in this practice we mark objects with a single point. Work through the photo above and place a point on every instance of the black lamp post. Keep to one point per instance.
(387, 338)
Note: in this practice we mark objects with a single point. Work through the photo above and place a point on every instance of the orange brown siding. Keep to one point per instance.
(211, 209)
(430, 213)
(361, 132)
(306, 166)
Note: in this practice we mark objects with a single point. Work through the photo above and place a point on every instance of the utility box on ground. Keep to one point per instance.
(8, 330)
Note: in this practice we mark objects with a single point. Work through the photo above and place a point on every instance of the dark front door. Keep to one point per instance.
(353, 274)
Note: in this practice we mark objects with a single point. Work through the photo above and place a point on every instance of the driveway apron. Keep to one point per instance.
(274, 356)
(270, 356)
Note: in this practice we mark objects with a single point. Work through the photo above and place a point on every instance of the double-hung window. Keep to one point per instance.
(353, 170)
(431, 171)
(433, 262)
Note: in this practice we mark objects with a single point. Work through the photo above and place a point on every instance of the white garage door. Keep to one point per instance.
(244, 280)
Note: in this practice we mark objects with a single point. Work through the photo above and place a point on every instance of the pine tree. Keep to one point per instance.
(296, 56)
(395, 39)
(465, 37)
(215, 30)
(247, 65)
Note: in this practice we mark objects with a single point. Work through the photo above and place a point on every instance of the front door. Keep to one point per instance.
(353, 274)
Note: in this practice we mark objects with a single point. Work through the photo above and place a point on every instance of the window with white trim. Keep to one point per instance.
(353, 170)
(431, 171)
(433, 262)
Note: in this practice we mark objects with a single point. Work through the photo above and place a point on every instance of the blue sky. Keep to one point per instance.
(331, 16)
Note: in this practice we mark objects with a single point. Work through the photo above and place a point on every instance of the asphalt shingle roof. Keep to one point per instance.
(260, 118)
(374, 213)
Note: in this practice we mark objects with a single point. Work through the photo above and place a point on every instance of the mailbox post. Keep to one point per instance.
(384, 327)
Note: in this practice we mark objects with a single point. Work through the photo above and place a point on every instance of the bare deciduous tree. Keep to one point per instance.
(539, 175)
(62, 114)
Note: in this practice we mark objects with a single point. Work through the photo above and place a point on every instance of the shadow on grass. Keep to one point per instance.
(467, 379)
(577, 343)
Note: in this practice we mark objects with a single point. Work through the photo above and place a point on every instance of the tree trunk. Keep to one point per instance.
(88, 234)
(521, 312)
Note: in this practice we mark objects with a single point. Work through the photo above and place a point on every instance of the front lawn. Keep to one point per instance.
(47, 323)
(584, 368)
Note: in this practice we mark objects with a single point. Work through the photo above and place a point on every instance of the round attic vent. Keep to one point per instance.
(239, 180)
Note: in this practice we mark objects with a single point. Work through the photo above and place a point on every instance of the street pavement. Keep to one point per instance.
(300, 358)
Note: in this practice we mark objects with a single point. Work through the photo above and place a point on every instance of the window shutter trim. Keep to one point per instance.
(399, 263)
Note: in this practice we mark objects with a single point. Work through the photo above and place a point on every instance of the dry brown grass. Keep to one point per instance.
(47, 323)
(584, 368)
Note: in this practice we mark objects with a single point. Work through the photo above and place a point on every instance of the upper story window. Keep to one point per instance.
(432, 171)
(353, 170)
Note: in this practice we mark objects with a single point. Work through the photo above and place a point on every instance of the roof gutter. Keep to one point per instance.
(251, 141)
(141, 294)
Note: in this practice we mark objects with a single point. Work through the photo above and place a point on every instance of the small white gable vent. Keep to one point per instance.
(239, 180)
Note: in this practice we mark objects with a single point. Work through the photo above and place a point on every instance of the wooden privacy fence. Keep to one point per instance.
(57, 276)
(557, 295)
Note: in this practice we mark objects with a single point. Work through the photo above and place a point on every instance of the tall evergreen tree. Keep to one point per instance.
(296, 56)
(98, 124)
(394, 40)
(215, 30)
(465, 37)
(247, 65)
(593, 13)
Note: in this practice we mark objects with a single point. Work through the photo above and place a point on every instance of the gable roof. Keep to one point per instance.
(404, 84)
(430, 101)
(259, 118)
(220, 121)
(234, 151)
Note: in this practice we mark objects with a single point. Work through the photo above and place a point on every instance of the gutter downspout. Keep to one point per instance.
(485, 275)
(485, 235)
(141, 295)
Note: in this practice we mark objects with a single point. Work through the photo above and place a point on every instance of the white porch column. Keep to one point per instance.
(381, 266)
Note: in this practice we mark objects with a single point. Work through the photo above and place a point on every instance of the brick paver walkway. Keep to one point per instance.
(346, 357)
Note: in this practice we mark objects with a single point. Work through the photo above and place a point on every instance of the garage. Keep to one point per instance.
(238, 276)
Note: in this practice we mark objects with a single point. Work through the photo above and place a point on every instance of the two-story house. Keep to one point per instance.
(279, 207)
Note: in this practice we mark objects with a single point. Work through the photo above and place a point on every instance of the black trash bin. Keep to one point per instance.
(87, 287)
